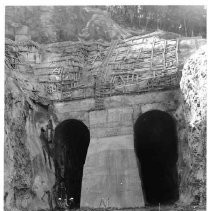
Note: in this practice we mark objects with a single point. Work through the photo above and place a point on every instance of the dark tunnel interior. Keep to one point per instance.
(72, 141)
(155, 143)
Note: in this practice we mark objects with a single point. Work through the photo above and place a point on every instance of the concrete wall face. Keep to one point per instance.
(111, 122)
(110, 174)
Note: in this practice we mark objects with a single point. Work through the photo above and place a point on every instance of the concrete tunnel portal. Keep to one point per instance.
(72, 138)
(155, 144)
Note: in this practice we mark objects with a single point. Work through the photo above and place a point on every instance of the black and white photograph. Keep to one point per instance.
(105, 107)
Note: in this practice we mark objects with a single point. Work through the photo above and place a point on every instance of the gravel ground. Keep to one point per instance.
(162, 208)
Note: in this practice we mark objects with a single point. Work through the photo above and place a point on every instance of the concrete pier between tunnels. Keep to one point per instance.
(155, 143)
(110, 175)
(72, 139)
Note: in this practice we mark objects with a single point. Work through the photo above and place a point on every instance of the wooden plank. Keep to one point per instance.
(49, 78)
(164, 54)
(139, 54)
(152, 53)
(177, 49)
(115, 58)
(55, 71)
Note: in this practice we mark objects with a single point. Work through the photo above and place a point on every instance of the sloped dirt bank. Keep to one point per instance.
(27, 176)
(18, 171)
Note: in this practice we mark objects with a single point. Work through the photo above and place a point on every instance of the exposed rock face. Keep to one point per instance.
(18, 169)
(192, 129)
(27, 177)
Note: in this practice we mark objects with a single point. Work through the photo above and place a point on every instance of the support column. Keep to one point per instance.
(110, 175)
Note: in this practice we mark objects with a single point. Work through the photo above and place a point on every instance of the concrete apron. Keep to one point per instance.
(110, 175)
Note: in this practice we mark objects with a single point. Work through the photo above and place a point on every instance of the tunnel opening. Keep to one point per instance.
(155, 143)
(72, 138)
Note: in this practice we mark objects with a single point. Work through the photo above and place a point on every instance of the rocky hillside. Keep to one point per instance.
(53, 24)
(49, 24)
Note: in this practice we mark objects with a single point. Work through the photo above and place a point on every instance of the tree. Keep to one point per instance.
(185, 20)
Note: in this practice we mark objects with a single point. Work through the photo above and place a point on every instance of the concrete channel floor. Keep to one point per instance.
(162, 208)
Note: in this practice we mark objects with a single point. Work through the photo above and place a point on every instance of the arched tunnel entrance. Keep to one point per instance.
(72, 139)
(155, 143)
